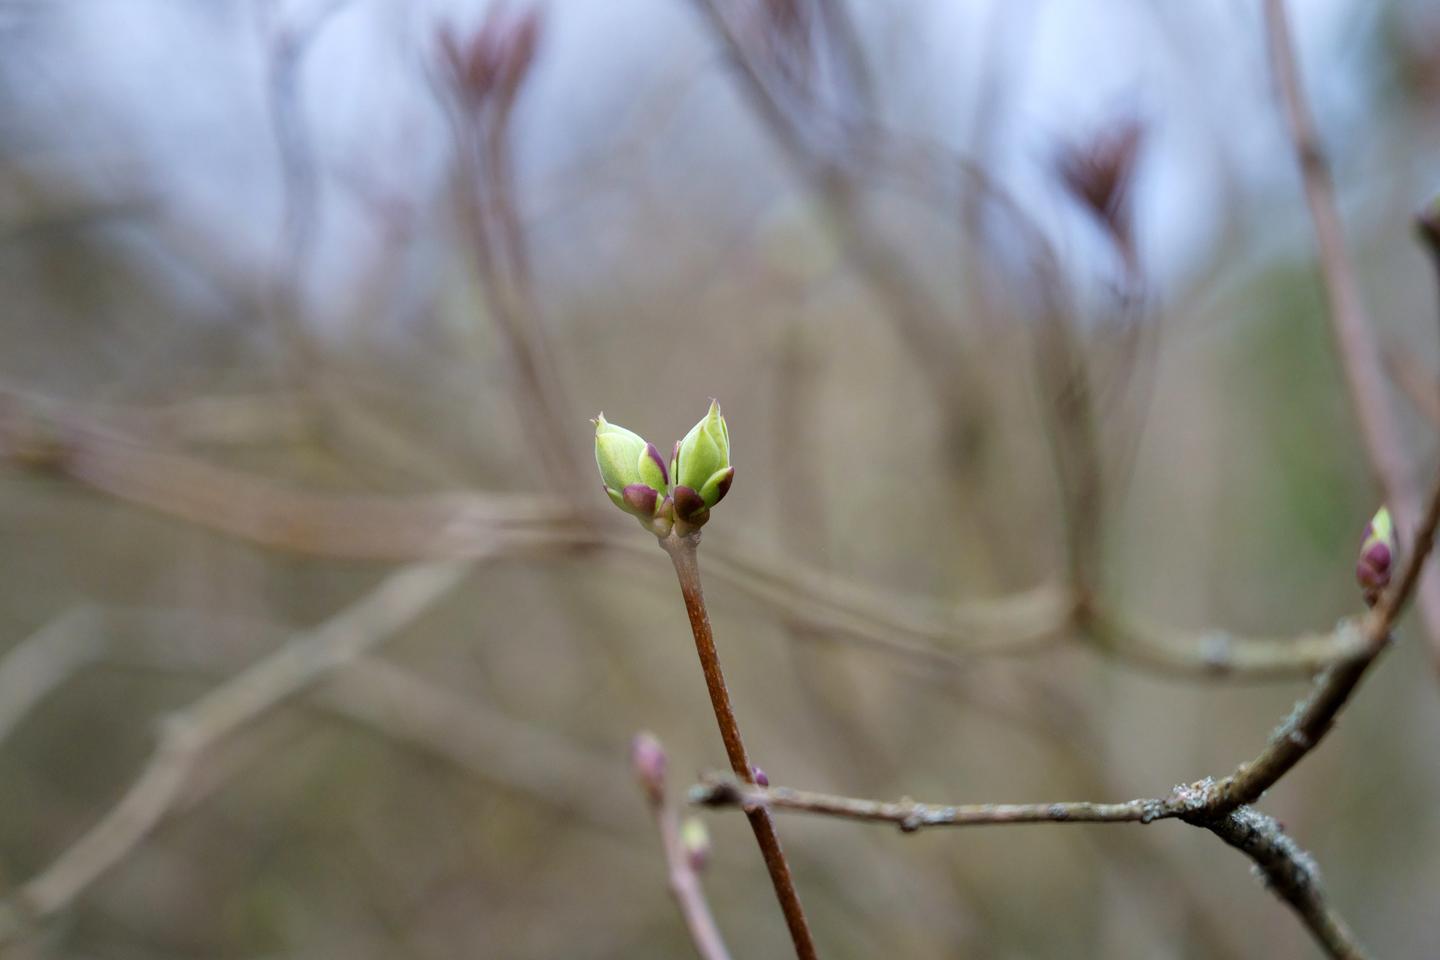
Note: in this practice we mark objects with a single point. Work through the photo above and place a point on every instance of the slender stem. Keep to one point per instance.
(649, 762)
(910, 815)
(1314, 716)
(1288, 871)
(682, 551)
(685, 886)
(1360, 357)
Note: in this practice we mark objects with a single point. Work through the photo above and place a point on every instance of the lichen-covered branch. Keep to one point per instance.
(1287, 870)
(911, 815)
(1291, 874)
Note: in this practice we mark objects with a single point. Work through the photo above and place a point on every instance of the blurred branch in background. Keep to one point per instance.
(286, 46)
(487, 71)
(367, 691)
(1355, 337)
(54, 436)
(826, 146)
(186, 734)
(650, 764)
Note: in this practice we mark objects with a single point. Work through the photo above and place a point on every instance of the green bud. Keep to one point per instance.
(632, 472)
(717, 486)
(617, 454)
(702, 460)
(695, 838)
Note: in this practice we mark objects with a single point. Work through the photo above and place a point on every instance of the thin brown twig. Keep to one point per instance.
(911, 816)
(683, 553)
(1355, 337)
(1288, 870)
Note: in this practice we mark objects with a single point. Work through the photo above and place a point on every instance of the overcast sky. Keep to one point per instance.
(170, 96)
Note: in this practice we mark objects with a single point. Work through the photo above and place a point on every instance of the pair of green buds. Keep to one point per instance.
(639, 482)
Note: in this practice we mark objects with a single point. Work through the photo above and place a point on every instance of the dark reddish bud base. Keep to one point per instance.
(1373, 571)
(723, 487)
(689, 507)
(641, 499)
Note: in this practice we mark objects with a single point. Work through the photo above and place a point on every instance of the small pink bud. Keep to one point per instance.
(648, 761)
(1377, 557)
(761, 778)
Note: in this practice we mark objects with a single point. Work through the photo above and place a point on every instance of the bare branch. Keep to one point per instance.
(1313, 716)
(370, 693)
(61, 437)
(649, 762)
(1289, 872)
(1217, 652)
(32, 669)
(1223, 807)
(187, 733)
(910, 815)
(1416, 382)
(1354, 332)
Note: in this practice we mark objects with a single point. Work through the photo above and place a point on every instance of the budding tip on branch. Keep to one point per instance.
(639, 481)
(1377, 556)
(649, 763)
(695, 839)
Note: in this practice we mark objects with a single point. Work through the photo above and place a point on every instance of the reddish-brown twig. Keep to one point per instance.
(683, 553)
